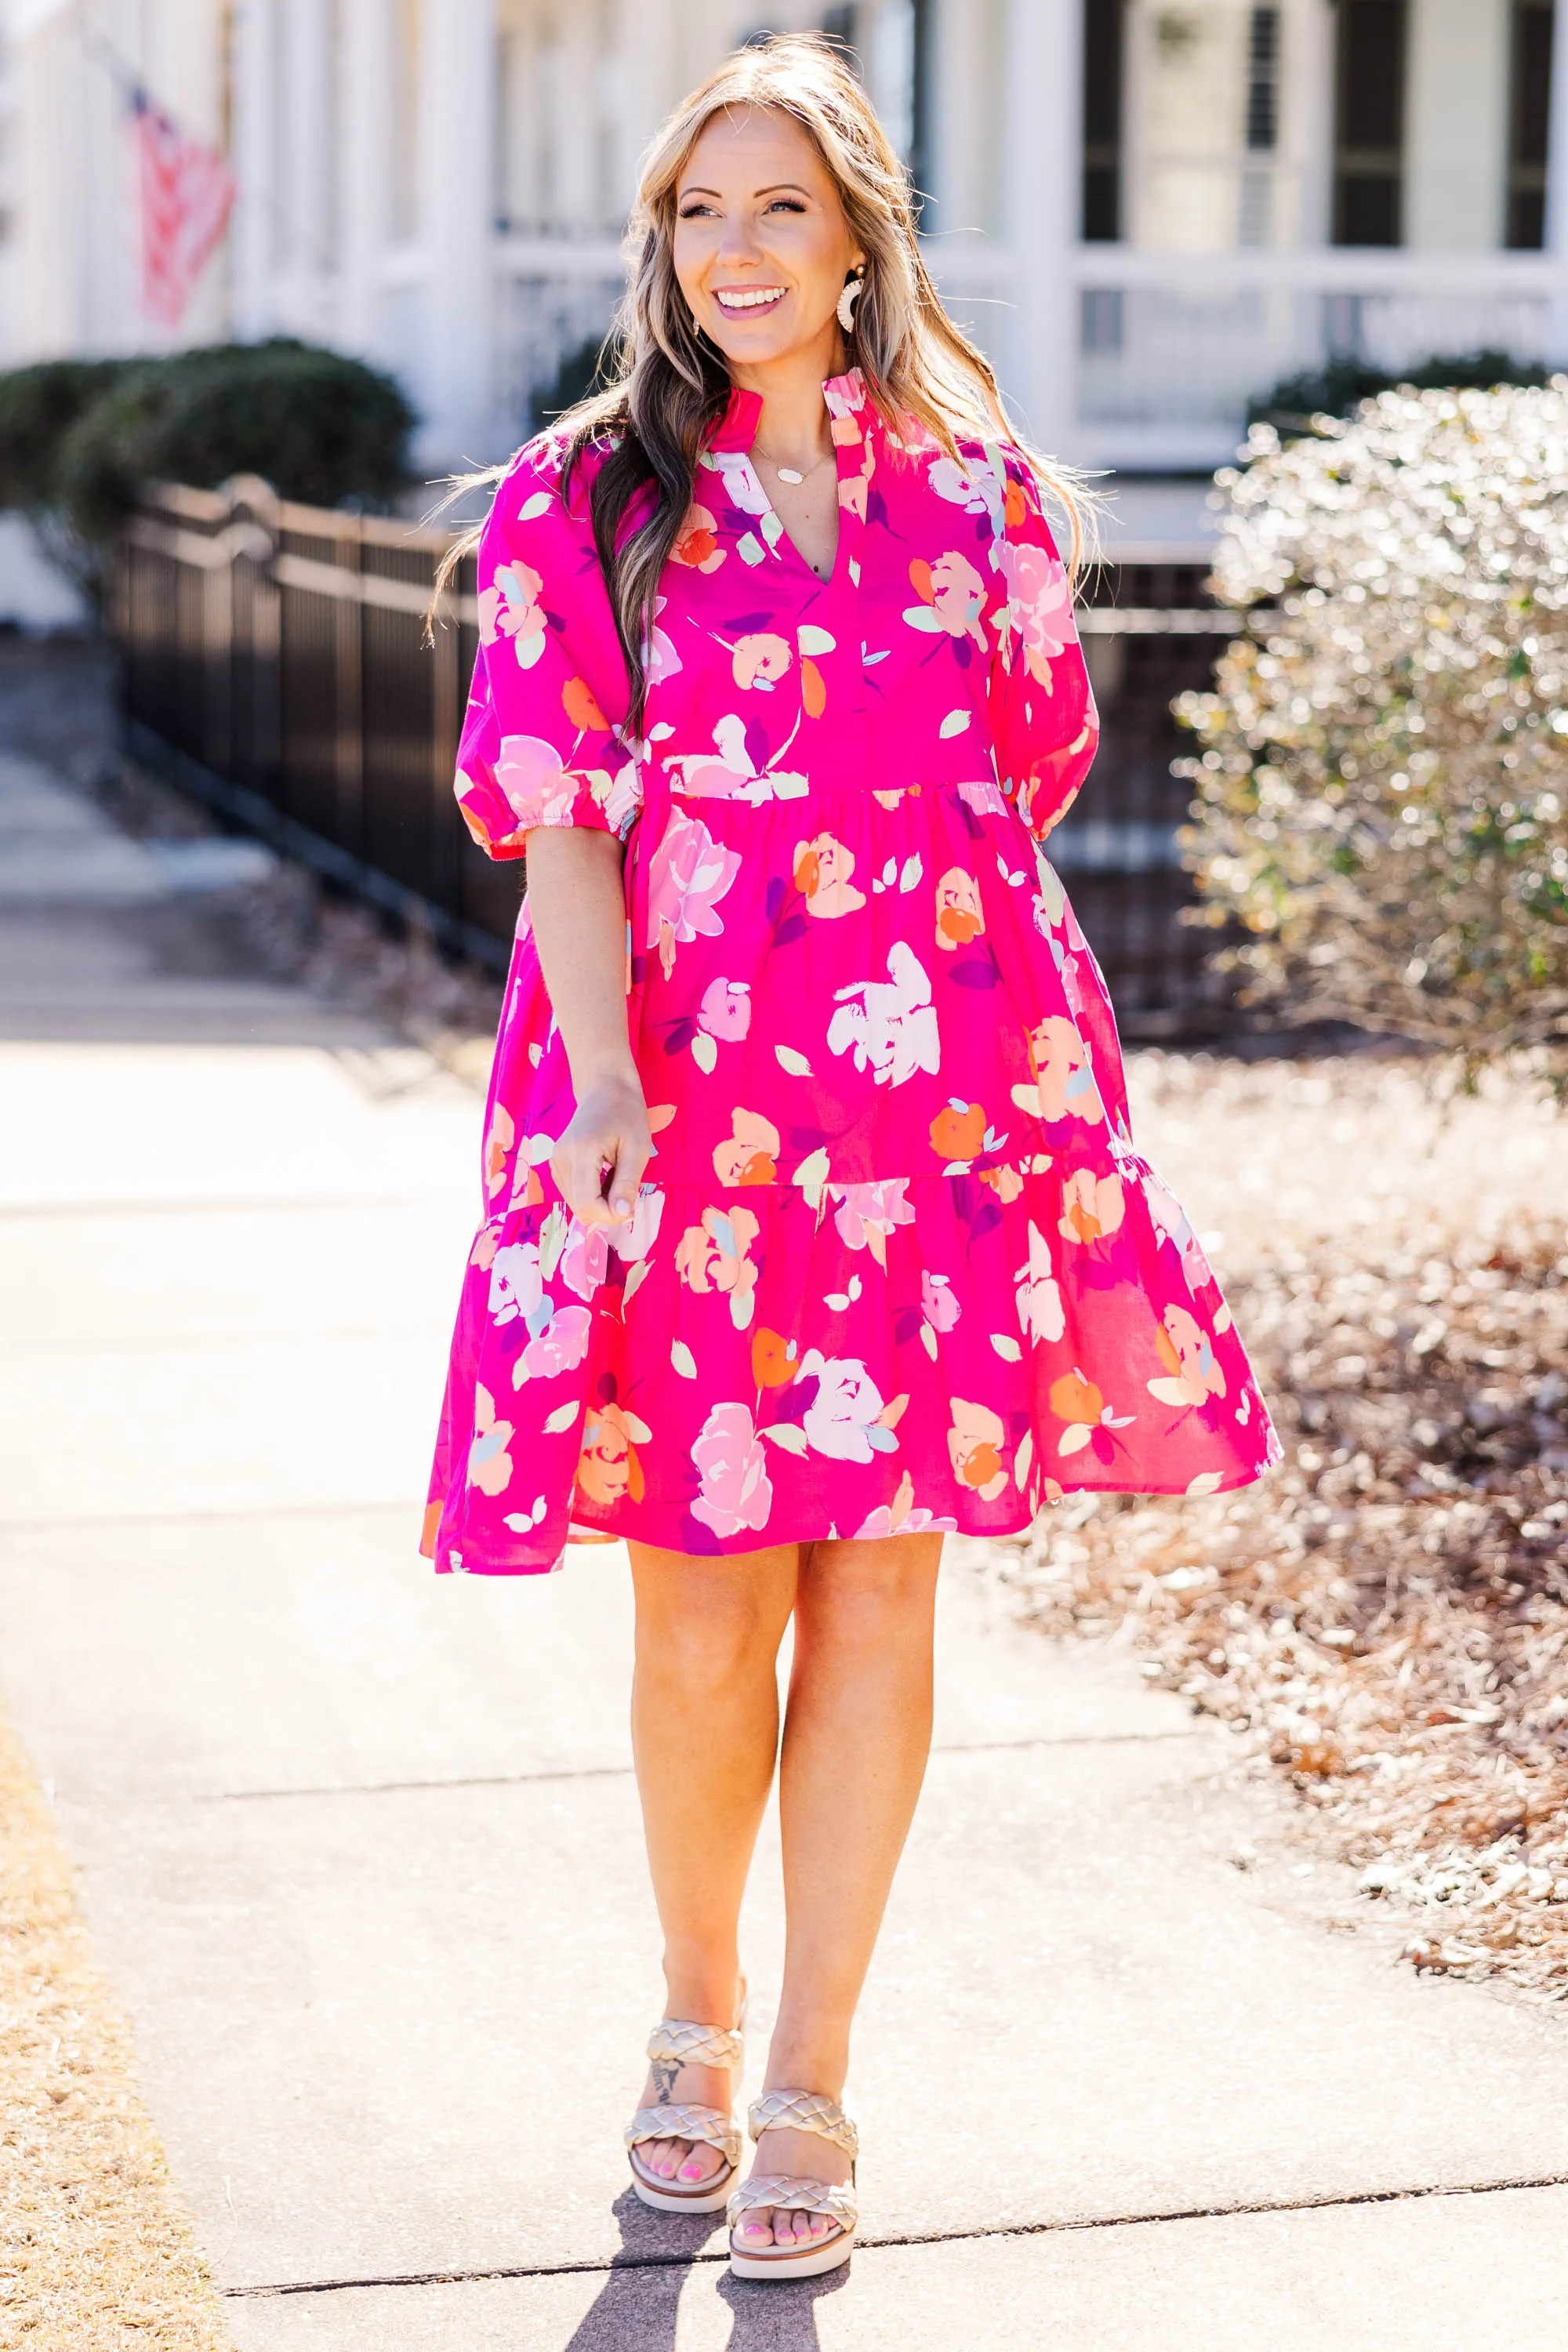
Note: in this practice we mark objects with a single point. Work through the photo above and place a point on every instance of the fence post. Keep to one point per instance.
(445, 835)
(348, 632)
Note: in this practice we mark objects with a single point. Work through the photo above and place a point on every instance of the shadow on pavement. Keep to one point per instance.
(636, 2309)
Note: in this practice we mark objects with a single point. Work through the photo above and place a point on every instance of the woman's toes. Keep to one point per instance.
(664, 2156)
(701, 2162)
(758, 2230)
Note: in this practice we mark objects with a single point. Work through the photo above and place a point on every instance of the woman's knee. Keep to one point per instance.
(869, 1596)
(708, 1629)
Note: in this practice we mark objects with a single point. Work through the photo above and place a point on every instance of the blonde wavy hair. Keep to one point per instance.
(669, 383)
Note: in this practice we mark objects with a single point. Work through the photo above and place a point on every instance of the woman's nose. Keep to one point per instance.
(737, 245)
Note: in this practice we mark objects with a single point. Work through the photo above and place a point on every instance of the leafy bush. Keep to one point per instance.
(78, 438)
(1381, 795)
(38, 405)
(1338, 388)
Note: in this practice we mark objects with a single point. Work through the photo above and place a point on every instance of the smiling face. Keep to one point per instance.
(762, 245)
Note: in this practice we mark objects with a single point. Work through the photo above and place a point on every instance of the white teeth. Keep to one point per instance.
(748, 301)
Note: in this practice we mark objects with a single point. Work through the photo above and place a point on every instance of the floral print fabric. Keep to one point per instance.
(895, 1264)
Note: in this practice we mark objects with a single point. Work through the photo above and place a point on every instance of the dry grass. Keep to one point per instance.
(95, 2255)
(1385, 1620)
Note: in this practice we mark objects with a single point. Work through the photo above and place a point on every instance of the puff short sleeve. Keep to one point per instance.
(541, 742)
(1043, 722)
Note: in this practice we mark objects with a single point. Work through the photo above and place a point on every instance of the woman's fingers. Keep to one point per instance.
(579, 1163)
(599, 1161)
(631, 1159)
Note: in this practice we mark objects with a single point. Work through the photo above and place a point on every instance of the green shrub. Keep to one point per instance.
(78, 438)
(38, 405)
(1381, 794)
(318, 427)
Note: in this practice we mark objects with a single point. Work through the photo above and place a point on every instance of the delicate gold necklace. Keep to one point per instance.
(789, 473)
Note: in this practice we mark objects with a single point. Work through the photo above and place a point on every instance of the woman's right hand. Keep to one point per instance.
(599, 1161)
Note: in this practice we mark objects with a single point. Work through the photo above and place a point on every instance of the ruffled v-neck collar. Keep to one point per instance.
(736, 429)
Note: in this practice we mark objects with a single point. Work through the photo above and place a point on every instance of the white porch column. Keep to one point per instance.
(1041, 176)
(456, 379)
(252, 235)
(308, 198)
(365, 128)
(1557, 191)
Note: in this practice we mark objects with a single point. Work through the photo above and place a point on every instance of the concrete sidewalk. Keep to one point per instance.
(361, 1846)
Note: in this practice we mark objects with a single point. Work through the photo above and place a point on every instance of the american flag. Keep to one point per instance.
(187, 189)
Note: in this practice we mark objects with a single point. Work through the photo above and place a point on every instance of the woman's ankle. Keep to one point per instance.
(807, 2061)
(705, 1991)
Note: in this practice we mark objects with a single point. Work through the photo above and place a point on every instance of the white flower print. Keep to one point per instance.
(1039, 1299)
(515, 1285)
(978, 487)
(635, 1240)
(585, 1260)
(847, 1402)
(889, 1025)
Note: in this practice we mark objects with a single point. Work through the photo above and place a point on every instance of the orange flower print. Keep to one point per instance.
(578, 702)
(953, 594)
(761, 659)
(1005, 1182)
(822, 870)
(489, 1463)
(499, 1141)
(1064, 1075)
(1088, 1418)
(1187, 1353)
(900, 1518)
(714, 1256)
(773, 1358)
(974, 1448)
(1093, 1206)
(958, 1131)
(959, 918)
(698, 545)
(751, 1155)
(608, 1469)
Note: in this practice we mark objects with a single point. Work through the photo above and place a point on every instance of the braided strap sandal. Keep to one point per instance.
(674, 2041)
(790, 2193)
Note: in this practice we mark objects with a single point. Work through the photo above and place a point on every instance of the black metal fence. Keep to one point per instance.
(273, 664)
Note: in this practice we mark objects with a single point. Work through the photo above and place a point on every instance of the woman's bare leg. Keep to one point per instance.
(705, 1737)
(857, 1735)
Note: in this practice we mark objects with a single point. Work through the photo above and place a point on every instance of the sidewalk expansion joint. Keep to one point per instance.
(217, 1205)
(625, 1772)
(656, 2262)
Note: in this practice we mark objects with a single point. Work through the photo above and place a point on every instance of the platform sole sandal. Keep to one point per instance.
(784, 2193)
(674, 2041)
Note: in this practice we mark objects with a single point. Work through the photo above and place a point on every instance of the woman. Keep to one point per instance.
(815, 1228)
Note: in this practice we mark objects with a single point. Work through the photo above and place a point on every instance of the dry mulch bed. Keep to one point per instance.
(94, 2253)
(1384, 1621)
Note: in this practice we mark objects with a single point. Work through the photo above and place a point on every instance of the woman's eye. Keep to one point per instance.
(694, 212)
(786, 204)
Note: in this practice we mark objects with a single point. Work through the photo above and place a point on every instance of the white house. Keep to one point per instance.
(1149, 210)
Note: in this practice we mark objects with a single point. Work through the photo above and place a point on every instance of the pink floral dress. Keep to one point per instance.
(895, 1265)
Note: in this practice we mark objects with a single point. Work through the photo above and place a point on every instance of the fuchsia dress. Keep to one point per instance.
(895, 1265)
